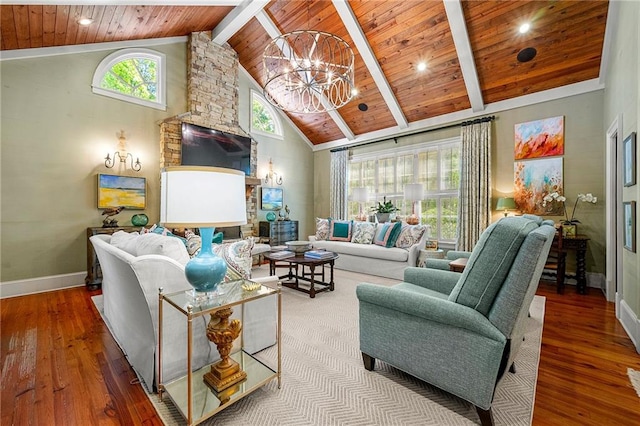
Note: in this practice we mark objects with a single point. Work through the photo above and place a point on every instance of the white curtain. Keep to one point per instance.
(474, 207)
(338, 204)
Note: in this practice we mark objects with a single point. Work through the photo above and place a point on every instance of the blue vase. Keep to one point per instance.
(271, 216)
(139, 219)
(207, 270)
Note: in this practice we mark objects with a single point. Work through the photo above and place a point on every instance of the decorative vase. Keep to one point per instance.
(271, 216)
(139, 219)
(569, 230)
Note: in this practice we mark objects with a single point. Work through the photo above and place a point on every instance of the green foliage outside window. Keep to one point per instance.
(261, 118)
(135, 77)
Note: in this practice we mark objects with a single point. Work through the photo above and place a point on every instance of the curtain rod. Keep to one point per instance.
(395, 138)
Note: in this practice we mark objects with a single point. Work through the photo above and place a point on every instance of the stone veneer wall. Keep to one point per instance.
(212, 98)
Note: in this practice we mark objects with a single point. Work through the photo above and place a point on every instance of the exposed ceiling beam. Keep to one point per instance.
(273, 31)
(366, 53)
(236, 19)
(130, 2)
(458, 26)
(612, 25)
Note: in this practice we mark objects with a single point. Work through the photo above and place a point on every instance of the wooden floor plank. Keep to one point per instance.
(59, 360)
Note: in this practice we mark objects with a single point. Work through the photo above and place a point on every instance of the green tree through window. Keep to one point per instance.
(263, 117)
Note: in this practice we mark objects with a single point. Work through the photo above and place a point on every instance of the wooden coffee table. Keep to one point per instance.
(295, 275)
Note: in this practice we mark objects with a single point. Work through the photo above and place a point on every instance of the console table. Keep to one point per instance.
(579, 245)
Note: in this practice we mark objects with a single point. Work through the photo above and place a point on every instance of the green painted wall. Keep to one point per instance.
(583, 160)
(622, 98)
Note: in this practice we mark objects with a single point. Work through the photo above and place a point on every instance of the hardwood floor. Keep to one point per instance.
(60, 365)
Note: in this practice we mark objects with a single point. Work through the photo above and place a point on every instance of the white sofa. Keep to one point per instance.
(130, 289)
(373, 259)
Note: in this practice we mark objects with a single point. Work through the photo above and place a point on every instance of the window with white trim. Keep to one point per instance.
(264, 118)
(435, 165)
(133, 75)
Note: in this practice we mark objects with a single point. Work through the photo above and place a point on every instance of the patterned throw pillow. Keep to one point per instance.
(238, 258)
(322, 229)
(363, 232)
(340, 230)
(410, 235)
(387, 234)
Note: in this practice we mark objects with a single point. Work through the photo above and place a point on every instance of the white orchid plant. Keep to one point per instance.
(555, 196)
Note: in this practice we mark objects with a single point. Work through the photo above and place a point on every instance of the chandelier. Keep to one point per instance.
(308, 71)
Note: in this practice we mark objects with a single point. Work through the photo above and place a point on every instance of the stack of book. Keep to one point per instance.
(318, 254)
(281, 254)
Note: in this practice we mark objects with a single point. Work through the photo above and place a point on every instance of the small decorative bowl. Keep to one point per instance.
(298, 246)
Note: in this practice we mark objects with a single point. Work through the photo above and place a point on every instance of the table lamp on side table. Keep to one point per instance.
(506, 204)
(360, 195)
(207, 197)
(413, 192)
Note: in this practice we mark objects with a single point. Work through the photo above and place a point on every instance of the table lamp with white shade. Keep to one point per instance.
(413, 192)
(360, 195)
(203, 197)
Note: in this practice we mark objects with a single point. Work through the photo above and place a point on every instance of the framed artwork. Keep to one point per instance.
(540, 138)
(125, 191)
(533, 180)
(629, 223)
(271, 198)
(629, 159)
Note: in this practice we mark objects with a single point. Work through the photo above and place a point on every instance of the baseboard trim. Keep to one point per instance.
(41, 284)
(630, 323)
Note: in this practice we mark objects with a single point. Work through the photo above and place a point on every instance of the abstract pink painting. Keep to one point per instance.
(540, 138)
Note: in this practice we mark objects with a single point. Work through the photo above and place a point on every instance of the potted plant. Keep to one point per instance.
(383, 210)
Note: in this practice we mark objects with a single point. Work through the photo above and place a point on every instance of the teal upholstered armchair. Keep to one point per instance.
(460, 332)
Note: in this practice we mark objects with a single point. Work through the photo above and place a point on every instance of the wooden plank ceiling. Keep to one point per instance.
(389, 38)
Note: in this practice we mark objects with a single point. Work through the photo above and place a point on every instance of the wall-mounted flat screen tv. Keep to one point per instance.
(208, 147)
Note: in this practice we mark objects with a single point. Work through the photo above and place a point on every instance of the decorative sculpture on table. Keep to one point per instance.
(223, 332)
(110, 221)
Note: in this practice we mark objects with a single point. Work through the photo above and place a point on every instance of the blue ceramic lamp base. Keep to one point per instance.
(206, 271)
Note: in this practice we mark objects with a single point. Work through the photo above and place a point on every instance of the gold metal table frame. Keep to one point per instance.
(190, 393)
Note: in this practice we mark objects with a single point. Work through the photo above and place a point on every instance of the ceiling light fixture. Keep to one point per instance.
(526, 54)
(85, 21)
(524, 28)
(422, 66)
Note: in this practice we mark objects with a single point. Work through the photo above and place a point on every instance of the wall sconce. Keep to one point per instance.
(506, 204)
(123, 155)
(272, 176)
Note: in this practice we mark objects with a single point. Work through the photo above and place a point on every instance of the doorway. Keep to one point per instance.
(614, 290)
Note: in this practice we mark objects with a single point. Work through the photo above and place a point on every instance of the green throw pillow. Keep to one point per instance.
(340, 230)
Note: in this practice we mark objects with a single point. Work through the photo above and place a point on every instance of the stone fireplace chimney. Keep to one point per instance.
(212, 99)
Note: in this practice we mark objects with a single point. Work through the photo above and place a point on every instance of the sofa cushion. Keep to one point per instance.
(410, 235)
(363, 232)
(125, 241)
(387, 234)
(364, 250)
(322, 228)
(163, 245)
(490, 262)
(340, 230)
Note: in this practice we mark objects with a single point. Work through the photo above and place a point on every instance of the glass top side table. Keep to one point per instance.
(191, 393)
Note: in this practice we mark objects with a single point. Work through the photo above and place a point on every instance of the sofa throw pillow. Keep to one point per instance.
(163, 245)
(410, 235)
(387, 234)
(194, 242)
(340, 230)
(238, 258)
(125, 241)
(160, 230)
(363, 232)
(322, 229)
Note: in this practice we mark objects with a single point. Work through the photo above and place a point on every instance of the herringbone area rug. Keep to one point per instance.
(325, 383)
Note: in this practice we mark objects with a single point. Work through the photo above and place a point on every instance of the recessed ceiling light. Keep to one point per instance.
(363, 107)
(524, 28)
(85, 21)
(354, 91)
(421, 66)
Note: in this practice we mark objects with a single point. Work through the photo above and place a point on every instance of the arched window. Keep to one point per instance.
(133, 75)
(264, 118)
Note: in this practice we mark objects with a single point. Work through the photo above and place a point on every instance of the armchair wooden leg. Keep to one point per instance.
(369, 362)
(486, 416)
(512, 369)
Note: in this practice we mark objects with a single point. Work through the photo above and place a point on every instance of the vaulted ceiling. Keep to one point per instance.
(469, 48)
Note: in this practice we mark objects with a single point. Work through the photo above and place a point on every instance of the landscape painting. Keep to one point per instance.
(540, 138)
(271, 199)
(533, 180)
(125, 191)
